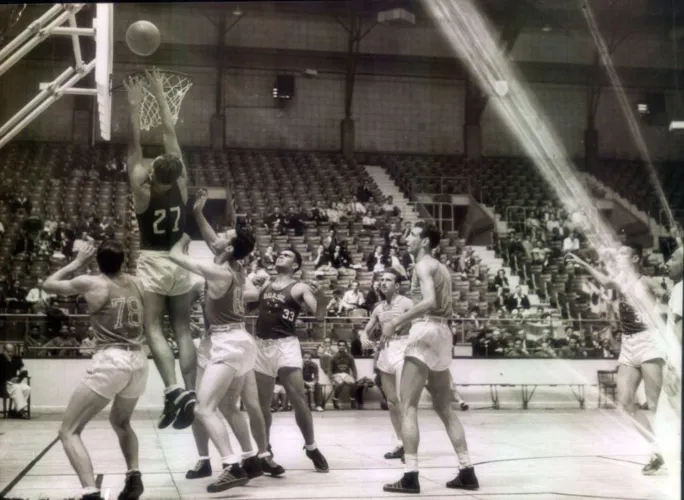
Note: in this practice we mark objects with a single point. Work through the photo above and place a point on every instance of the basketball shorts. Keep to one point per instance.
(641, 347)
(391, 358)
(117, 372)
(431, 343)
(274, 354)
(231, 345)
(161, 276)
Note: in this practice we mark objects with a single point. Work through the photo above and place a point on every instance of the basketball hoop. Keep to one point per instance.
(175, 86)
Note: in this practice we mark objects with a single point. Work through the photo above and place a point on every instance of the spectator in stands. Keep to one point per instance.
(333, 308)
(88, 344)
(35, 339)
(330, 241)
(368, 221)
(13, 380)
(280, 401)
(275, 221)
(344, 374)
(365, 192)
(38, 299)
(322, 257)
(293, 221)
(389, 207)
(16, 297)
(517, 350)
(311, 385)
(63, 344)
(24, 244)
(406, 231)
(545, 350)
(352, 299)
(21, 204)
(540, 253)
(396, 264)
(340, 258)
(518, 300)
(268, 258)
(571, 243)
(573, 349)
(319, 213)
(356, 209)
(501, 282)
(373, 296)
(333, 214)
(377, 261)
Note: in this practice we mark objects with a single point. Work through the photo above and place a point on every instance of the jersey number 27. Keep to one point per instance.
(161, 215)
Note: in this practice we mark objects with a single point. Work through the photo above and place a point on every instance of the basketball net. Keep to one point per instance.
(175, 86)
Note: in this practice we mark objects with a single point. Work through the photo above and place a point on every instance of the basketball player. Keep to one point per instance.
(427, 357)
(160, 195)
(228, 406)
(230, 353)
(119, 368)
(674, 319)
(391, 358)
(278, 350)
(642, 355)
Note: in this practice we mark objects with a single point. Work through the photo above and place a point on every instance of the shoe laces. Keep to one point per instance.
(199, 465)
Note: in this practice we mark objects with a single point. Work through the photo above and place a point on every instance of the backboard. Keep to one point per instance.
(104, 59)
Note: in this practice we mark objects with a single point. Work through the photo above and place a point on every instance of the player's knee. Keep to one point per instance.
(627, 406)
(121, 425)
(202, 411)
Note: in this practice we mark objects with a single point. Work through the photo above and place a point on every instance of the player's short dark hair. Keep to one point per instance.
(297, 256)
(110, 257)
(167, 168)
(429, 232)
(244, 242)
(398, 278)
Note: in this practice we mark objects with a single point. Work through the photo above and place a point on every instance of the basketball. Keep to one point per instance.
(143, 38)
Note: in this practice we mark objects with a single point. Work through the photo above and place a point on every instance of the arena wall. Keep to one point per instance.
(47, 395)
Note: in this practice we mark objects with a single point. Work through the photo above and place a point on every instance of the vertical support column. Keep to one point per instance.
(475, 103)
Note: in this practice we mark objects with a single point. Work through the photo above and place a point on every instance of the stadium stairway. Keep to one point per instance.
(389, 188)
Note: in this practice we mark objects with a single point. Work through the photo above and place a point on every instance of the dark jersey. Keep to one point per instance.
(631, 321)
(163, 223)
(278, 312)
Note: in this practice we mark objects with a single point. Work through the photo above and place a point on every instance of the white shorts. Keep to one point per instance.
(343, 378)
(161, 276)
(430, 342)
(232, 346)
(117, 372)
(641, 347)
(274, 354)
(391, 358)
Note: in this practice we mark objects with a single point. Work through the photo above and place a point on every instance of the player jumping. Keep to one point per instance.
(160, 195)
(427, 358)
(119, 368)
(642, 355)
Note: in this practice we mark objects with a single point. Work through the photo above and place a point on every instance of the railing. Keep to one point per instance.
(525, 211)
(16, 328)
(419, 185)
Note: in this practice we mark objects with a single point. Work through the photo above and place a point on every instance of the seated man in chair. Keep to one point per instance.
(13, 379)
(343, 373)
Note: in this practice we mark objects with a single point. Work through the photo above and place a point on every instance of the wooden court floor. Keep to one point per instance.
(533, 454)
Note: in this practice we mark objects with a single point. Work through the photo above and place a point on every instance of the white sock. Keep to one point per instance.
(249, 454)
(203, 458)
(264, 454)
(230, 460)
(464, 459)
(400, 442)
(411, 462)
(172, 388)
(311, 447)
(90, 490)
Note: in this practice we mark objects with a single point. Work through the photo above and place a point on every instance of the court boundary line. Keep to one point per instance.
(22, 473)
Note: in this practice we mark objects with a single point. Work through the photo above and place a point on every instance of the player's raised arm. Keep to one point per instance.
(208, 270)
(137, 173)
(602, 279)
(171, 145)
(208, 233)
(58, 284)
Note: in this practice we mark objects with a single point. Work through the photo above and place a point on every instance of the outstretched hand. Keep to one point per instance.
(135, 91)
(85, 254)
(201, 200)
(156, 81)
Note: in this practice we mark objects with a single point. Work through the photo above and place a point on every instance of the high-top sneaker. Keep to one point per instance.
(186, 410)
(466, 480)
(407, 484)
(654, 466)
(319, 461)
(231, 477)
(170, 411)
(336, 404)
(397, 452)
(252, 467)
(270, 467)
(92, 496)
(202, 469)
(133, 487)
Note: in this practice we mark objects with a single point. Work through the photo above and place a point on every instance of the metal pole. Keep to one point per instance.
(28, 47)
(88, 92)
(30, 31)
(72, 31)
(47, 103)
(75, 41)
(36, 100)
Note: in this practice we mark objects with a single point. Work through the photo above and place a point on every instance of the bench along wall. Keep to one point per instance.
(53, 380)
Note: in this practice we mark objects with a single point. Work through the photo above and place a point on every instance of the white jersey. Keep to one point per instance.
(387, 311)
(675, 309)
